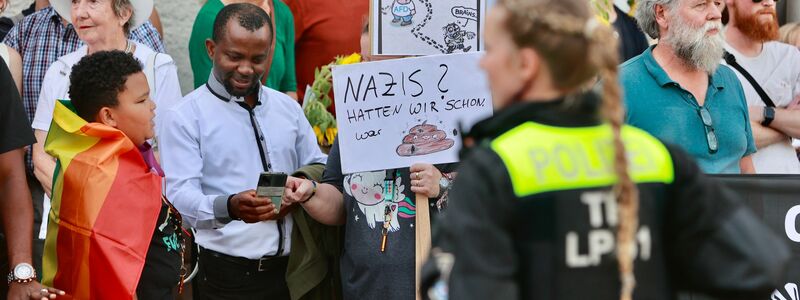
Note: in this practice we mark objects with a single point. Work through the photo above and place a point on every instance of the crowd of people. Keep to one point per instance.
(592, 170)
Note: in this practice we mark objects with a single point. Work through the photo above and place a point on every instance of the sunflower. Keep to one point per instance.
(317, 102)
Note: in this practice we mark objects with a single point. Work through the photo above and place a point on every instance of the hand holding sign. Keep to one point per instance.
(425, 180)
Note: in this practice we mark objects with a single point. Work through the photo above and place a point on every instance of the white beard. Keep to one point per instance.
(694, 47)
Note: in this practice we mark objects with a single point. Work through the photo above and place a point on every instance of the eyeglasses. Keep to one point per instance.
(711, 137)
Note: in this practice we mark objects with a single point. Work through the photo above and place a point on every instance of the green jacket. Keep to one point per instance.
(313, 270)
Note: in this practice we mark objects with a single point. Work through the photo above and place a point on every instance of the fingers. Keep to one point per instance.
(252, 209)
(257, 210)
(422, 191)
(253, 201)
(293, 182)
(253, 214)
(421, 167)
(426, 187)
(55, 291)
(268, 215)
(300, 193)
(45, 293)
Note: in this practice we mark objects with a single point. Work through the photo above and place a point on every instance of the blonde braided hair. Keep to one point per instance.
(566, 34)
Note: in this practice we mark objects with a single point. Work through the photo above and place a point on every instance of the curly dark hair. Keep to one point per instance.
(249, 16)
(97, 79)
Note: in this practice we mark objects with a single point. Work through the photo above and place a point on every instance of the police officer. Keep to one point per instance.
(557, 199)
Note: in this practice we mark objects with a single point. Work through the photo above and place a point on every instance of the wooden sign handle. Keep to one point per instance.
(423, 236)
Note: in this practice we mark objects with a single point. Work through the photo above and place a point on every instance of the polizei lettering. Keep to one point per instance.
(601, 241)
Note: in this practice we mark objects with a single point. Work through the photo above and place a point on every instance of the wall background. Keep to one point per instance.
(177, 17)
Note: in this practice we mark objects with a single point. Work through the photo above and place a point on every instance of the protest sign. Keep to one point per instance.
(426, 27)
(394, 113)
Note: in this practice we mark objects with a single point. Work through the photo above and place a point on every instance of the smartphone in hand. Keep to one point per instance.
(271, 185)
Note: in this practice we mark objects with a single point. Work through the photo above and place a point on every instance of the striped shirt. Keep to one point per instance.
(41, 38)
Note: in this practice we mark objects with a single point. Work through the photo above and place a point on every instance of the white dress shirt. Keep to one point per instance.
(209, 152)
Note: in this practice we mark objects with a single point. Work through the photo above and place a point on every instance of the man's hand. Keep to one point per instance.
(32, 290)
(251, 209)
(286, 208)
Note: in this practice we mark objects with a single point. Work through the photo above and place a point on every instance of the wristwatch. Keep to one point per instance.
(769, 115)
(444, 184)
(22, 273)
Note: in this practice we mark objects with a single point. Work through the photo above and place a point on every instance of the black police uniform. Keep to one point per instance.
(532, 216)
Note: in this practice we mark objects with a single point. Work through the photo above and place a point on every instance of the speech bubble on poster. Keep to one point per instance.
(465, 13)
(394, 113)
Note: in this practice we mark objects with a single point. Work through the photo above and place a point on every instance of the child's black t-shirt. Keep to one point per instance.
(162, 265)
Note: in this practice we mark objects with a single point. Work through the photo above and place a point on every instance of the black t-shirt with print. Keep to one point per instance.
(162, 265)
(368, 273)
(15, 130)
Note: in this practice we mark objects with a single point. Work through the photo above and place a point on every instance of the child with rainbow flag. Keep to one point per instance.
(111, 233)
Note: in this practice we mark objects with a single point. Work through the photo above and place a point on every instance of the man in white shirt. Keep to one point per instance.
(214, 145)
(751, 37)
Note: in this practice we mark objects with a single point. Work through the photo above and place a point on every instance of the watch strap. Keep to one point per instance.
(13, 278)
(313, 192)
(769, 116)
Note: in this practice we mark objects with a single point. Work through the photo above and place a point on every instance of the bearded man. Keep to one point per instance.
(751, 37)
(677, 90)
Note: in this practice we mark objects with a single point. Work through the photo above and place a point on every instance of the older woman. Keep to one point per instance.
(101, 25)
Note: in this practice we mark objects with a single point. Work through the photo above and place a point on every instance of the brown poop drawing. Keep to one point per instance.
(424, 139)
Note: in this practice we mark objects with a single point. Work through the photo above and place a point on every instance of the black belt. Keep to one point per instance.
(266, 263)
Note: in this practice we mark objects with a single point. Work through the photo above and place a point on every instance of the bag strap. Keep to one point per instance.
(150, 72)
(731, 60)
(4, 53)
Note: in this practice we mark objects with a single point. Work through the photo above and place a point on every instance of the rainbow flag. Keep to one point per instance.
(104, 209)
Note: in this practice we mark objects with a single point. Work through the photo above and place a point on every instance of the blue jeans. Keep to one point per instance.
(404, 18)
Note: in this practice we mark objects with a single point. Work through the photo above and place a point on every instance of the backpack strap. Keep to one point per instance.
(731, 60)
(150, 72)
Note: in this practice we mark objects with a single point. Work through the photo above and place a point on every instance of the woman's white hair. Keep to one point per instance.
(646, 15)
(119, 7)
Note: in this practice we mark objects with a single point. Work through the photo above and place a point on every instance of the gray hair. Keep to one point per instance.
(646, 15)
(119, 7)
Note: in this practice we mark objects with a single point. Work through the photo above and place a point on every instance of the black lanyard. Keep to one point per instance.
(265, 163)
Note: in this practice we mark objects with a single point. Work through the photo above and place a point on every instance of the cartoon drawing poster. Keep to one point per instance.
(394, 113)
(426, 27)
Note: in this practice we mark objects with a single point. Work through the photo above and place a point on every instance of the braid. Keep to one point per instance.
(606, 58)
(564, 31)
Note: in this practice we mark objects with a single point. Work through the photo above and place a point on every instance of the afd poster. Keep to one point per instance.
(426, 27)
